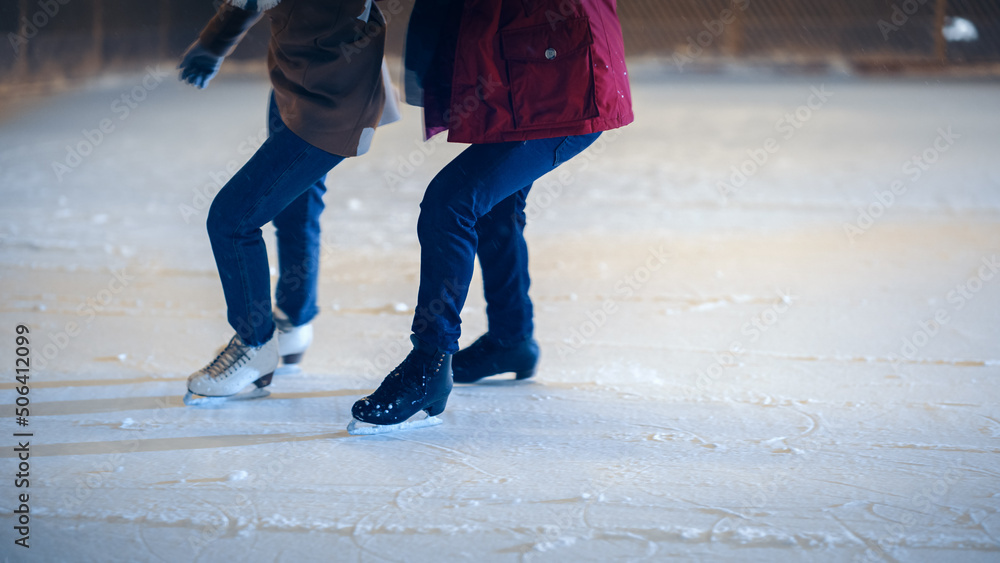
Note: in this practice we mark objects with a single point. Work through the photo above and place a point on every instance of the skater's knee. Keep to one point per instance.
(219, 224)
(428, 222)
(442, 208)
(436, 195)
(440, 218)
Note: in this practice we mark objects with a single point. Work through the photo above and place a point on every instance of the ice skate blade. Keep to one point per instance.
(288, 369)
(371, 429)
(195, 400)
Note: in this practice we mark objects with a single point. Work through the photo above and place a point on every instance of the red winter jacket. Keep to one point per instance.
(513, 70)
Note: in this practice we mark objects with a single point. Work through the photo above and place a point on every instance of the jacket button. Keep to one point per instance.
(550, 53)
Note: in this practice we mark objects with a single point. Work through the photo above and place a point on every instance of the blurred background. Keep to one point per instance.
(55, 42)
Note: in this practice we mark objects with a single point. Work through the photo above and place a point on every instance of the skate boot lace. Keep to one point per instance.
(229, 360)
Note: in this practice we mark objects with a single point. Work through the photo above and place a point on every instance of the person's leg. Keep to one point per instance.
(503, 258)
(297, 229)
(458, 197)
(278, 174)
(508, 345)
(298, 233)
(462, 193)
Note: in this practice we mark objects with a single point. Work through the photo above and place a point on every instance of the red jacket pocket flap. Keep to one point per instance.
(546, 42)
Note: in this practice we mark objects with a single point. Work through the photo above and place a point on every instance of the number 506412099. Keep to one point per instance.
(22, 365)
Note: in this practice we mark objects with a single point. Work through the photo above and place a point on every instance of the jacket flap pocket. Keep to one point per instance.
(546, 42)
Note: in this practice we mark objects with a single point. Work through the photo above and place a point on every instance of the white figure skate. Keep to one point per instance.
(236, 367)
(293, 341)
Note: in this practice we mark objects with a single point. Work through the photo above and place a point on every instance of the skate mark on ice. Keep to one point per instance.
(227, 479)
(124, 404)
(993, 428)
(363, 533)
(458, 457)
(819, 358)
(701, 303)
(388, 309)
(93, 382)
(145, 545)
(170, 444)
(869, 543)
(990, 533)
(773, 443)
(873, 359)
(127, 424)
(858, 487)
(937, 448)
(320, 394)
(95, 406)
(234, 523)
(713, 510)
(252, 393)
(978, 470)
(570, 500)
(814, 423)
(675, 432)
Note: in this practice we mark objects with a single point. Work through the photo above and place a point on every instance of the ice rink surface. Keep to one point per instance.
(796, 362)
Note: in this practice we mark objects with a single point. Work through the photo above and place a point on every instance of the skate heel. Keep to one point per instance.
(291, 359)
(526, 374)
(264, 381)
(436, 408)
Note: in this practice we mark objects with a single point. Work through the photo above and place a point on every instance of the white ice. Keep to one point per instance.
(723, 378)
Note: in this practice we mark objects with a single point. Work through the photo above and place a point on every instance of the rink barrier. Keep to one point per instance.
(58, 42)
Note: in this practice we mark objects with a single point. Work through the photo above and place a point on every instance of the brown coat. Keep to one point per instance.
(325, 59)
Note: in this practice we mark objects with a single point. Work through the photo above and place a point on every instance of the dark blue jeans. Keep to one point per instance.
(475, 205)
(282, 182)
